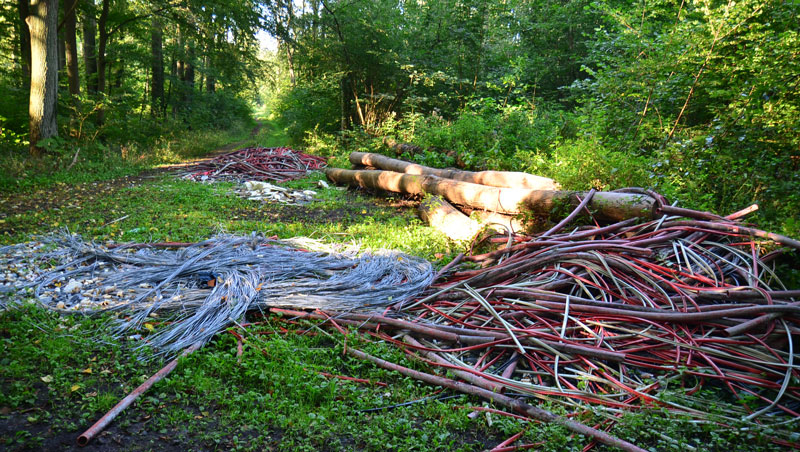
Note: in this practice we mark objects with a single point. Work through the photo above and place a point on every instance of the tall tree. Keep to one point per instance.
(90, 51)
(43, 24)
(157, 67)
(102, 25)
(24, 38)
(71, 45)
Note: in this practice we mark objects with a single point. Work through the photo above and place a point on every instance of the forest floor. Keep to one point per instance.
(60, 374)
(37, 413)
(71, 195)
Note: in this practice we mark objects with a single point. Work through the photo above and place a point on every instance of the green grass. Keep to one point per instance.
(60, 374)
(97, 162)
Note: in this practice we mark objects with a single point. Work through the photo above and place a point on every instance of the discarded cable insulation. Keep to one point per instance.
(516, 405)
(124, 403)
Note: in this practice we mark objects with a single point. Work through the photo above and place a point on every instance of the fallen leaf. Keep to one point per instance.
(74, 388)
(88, 370)
(149, 326)
(47, 378)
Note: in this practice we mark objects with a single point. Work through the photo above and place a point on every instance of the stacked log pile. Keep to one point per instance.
(503, 196)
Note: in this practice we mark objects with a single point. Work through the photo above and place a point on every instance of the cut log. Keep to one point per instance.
(402, 148)
(515, 223)
(442, 216)
(504, 179)
(606, 206)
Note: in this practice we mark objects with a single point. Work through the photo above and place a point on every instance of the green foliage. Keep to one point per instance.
(311, 106)
(703, 91)
(94, 160)
(697, 100)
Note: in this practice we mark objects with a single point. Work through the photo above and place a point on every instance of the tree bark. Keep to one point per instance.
(102, 25)
(71, 46)
(157, 66)
(62, 51)
(119, 74)
(607, 206)
(504, 179)
(188, 84)
(43, 24)
(346, 102)
(102, 43)
(210, 82)
(442, 216)
(90, 52)
(25, 39)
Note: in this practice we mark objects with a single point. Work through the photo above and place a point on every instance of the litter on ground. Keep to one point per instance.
(278, 164)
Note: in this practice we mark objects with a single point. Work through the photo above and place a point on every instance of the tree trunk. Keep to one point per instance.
(24, 39)
(347, 102)
(43, 25)
(210, 82)
(62, 51)
(290, 62)
(90, 52)
(188, 76)
(442, 216)
(605, 206)
(491, 178)
(157, 66)
(173, 72)
(119, 74)
(102, 43)
(102, 24)
(71, 44)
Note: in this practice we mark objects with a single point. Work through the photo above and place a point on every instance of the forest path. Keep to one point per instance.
(72, 196)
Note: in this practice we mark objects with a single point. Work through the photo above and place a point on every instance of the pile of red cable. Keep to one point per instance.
(685, 315)
(263, 164)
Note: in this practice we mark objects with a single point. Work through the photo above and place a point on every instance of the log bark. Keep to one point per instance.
(442, 216)
(503, 179)
(402, 148)
(513, 222)
(606, 206)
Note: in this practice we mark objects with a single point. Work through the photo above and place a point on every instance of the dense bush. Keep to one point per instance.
(310, 106)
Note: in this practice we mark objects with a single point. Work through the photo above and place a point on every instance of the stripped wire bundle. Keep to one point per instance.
(208, 286)
(264, 164)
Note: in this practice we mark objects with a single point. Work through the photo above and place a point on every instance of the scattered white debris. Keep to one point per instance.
(73, 286)
(266, 192)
